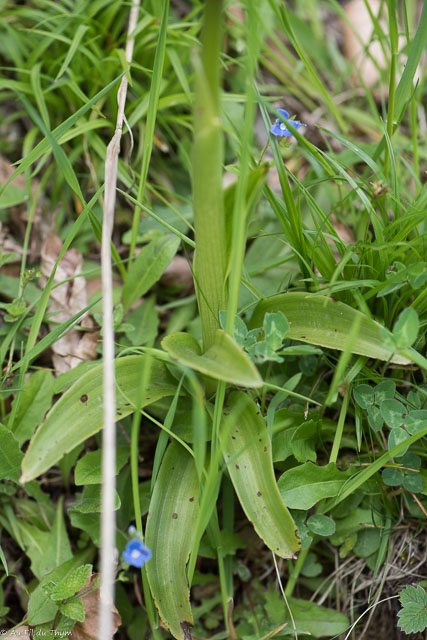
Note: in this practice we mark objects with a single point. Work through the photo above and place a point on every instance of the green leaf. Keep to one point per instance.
(148, 267)
(40, 607)
(275, 327)
(12, 196)
(247, 452)
(10, 455)
(413, 615)
(36, 399)
(411, 460)
(46, 549)
(169, 534)
(303, 486)
(375, 418)
(88, 469)
(303, 441)
(384, 391)
(90, 500)
(240, 330)
(406, 328)
(321, 525)
(392, 477)
(144, 321)
(318, 621)
(364, 395)
(73, 609)
(393, 412)
(312, 567)
(325, 322)
(397, 436)
(69, 585)
(80, 31)
(416, 421)
(224, 360)
(78, 413)
(413, 482)
(368, 542)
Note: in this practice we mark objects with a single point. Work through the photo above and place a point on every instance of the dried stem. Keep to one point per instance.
(108, 524)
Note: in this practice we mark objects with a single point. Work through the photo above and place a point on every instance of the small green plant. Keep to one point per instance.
(413, 614)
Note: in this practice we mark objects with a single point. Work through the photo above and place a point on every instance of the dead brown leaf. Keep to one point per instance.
(88, 630)
(67, 299)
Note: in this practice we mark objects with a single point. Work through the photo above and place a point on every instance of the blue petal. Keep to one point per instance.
(136, 553)
(276, 130)
(283, 113)
(295, 124)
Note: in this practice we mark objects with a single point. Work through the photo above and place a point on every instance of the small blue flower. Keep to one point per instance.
(280, 129)
(136, 553)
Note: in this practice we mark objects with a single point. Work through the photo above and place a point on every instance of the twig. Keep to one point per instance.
(108, 523)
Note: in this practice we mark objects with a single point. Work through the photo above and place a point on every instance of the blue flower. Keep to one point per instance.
(280, 129)
(136, 553)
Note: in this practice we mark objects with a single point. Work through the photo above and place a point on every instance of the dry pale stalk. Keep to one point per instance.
(108, 522)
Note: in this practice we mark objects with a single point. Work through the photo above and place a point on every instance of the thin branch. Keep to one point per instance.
(108, 521)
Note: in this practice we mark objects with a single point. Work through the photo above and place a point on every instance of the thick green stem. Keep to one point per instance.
(209, 223)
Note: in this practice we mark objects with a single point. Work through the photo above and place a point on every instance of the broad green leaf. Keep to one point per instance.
(169, 534)
(78, 413)
(65, 380)
(73, 609)
(325, 322)
(69, 585)
(148, 267)
(35, 401)
(10, 455)
(88, 469)
(247, 452)
(224, 360)
(321, 525)
(317, 621)
(303, 486)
